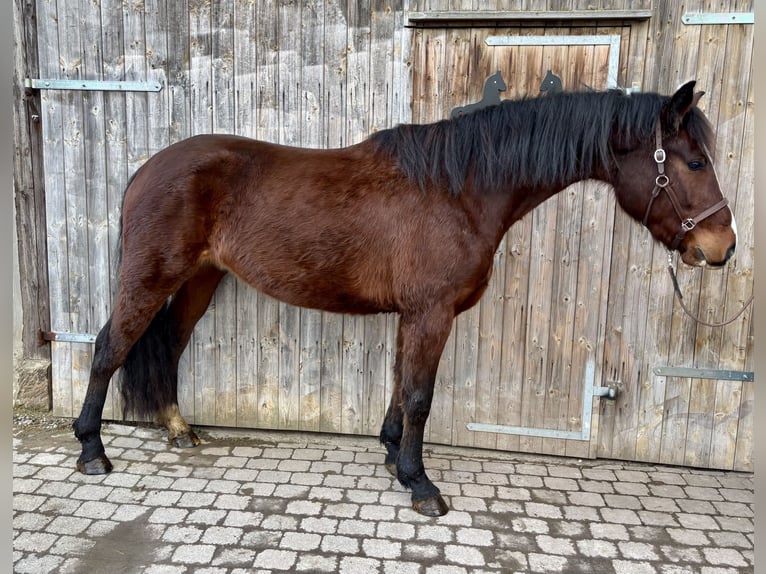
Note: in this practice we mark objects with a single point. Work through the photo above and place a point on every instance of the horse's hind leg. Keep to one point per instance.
(113, 343)
(186, 308)
(421, 341)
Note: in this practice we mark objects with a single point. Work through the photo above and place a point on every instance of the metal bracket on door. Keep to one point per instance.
(93, 85)
(717, 374)
(65, 337)
(589, 391)
(691, 18)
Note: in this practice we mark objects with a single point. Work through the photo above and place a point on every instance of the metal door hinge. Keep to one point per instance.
(65, 337)
(93, 85)
(718, 18)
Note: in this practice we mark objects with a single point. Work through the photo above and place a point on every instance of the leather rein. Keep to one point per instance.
(662, 183)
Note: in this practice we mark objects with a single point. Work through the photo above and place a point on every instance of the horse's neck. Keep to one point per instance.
(522, 200)
(491, 95)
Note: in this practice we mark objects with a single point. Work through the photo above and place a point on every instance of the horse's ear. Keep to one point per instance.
(679, 105)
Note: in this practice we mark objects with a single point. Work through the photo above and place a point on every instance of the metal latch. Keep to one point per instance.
(609, 392)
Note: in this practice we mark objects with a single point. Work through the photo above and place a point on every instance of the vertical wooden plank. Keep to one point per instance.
(515, 296)
(651, 393)
(488, 369)
(225, 299)
(267, 128)
(523, 77)
(538, 325)
(333, 135)
(699, 428)
(567, 223)
(71, 58)
(201, 119)
(28, 189)
(312, 87)
(356, 127)
(375, 367)
(726, 418)
(96, 254)
(352, 368)
(402, 90)
(466, 327)
(52, 120)
(179, 127)
(116, 176)
(382, 33)
(377, 364)
(734, 164)
(331, 392)
(560, 368)
(743, 458)
(178, 68)
(592, 296)
(682, 329)
(267, 368)
(310, 369)
(136, 108)
(596, 225)
(247, 337)
(244, 32)
(430, 59)
(290, 46)
(738, 338)
(150, 17)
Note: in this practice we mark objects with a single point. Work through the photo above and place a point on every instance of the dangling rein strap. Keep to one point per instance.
(692, 315)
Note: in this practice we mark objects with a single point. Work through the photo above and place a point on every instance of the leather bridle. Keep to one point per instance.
(662, 182)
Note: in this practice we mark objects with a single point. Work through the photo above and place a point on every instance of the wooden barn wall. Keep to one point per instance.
(328, 73)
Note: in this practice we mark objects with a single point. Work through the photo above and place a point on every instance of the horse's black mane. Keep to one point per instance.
(548, 140)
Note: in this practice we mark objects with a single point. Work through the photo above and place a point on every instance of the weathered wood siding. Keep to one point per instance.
(575, 281)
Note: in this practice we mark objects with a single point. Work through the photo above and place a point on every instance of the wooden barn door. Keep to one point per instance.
(519, 366)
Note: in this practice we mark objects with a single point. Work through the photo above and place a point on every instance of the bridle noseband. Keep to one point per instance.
(662, 182)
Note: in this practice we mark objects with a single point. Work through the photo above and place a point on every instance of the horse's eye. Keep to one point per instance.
(696, 165)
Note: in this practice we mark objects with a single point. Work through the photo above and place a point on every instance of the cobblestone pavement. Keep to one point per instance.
(255, 501)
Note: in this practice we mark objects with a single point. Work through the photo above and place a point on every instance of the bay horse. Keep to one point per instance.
(406, 222)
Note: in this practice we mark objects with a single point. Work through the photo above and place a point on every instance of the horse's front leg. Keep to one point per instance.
(420, 343)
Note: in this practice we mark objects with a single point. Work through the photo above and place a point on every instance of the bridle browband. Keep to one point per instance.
(662, 182)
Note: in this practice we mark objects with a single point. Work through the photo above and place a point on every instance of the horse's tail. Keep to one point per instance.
(149, 375)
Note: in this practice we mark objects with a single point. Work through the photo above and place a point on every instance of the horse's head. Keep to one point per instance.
(551, 83)
(496, 82)
(670, 184)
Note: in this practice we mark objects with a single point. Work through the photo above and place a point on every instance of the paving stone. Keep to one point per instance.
(547, 563)
(300, 541)
(282, 560)
(724, 556)
(553, 545)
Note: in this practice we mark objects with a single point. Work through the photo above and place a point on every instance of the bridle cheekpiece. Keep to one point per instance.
(662, 182)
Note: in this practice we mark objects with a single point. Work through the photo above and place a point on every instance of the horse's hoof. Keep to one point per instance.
(434, 506)
(98, 465)
(391, 468)
(185, 440)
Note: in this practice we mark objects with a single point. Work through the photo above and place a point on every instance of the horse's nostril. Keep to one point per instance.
(730, 252)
